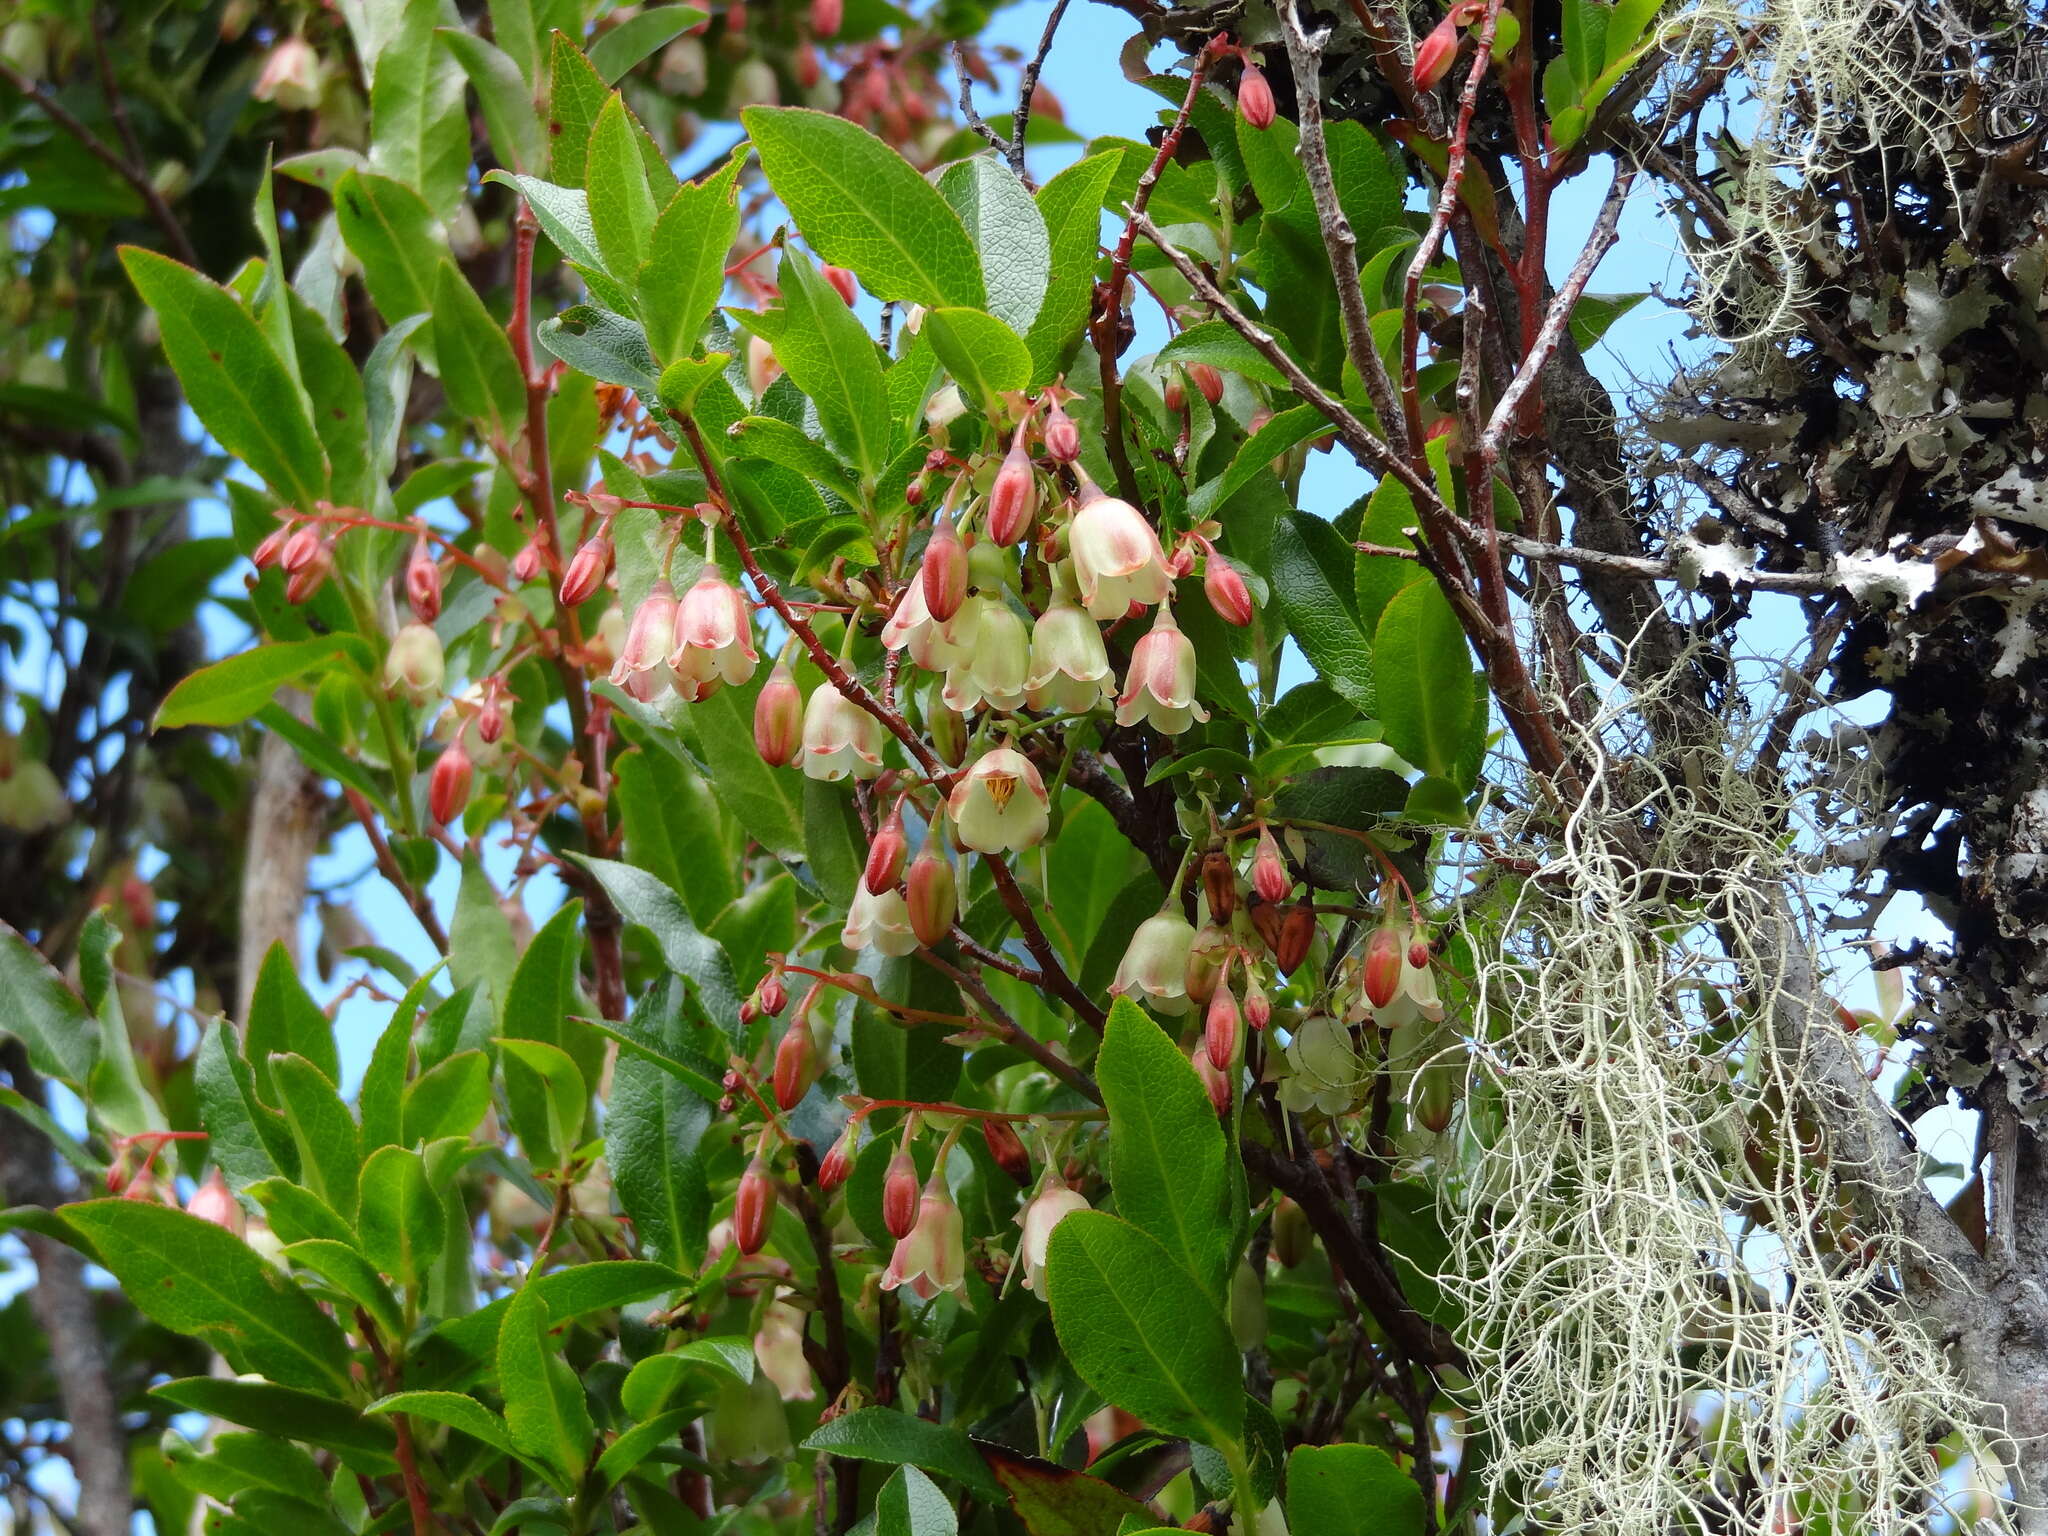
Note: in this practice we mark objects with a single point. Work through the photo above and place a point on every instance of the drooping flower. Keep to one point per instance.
(448, 785)
(1270, 877)
(1224, 585)
(943, 570)
(1048, 1208)
(642, 667)
(423, 583)
(1255, 97)
(753, 1207)
(1155, 963)
(1013, 498)
(934, 646)
(1325, 1070)
(1117, 558)
(879, 921)
(884, 866)
(586, 571)
(415, 665)
(993, 670)
(1062, 437)
(714, 639)
(989, 812)
(213, 1201)
(933, 1257)
(1414, 998)
(1160, 687)
(840, 737)
(778, 717)
(931, 892)
(899, 1194)
(1070, 669)
(779, 1351)
(1379, 973)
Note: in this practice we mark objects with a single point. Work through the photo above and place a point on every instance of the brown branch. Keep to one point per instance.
(1001, 145)
(387, 864)
(1027, 87)
(1011, 1032)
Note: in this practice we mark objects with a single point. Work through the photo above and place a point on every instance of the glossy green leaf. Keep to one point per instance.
(659, 1380)
(684, 272)
(1423, 678)
(419, 117)
(538, 998)
(1071, 205)
(316, 1417)
(465, 1346)
(576, 94)
(1141, 1331)
(828, 354)
(1009, 232)
(544, 1407)
(1215, 343)
(330, 1151)
(231, 690)
(833, 835)
(653, 1134)
(910, 1504)
(114, 1086)
(246, 1138)
(298, 1215)
(643, 899)
(345, 1269)
(1312, 584)
(448, 1099)
(563, 214)
(984, 356)
(506, 99)
(636, 1444)
(635, 38)
(232, 377)
(622, 206)
(468, 1416)
(389, 229)
(897, 1439)
(1255, 457)
(44, 1014)
(400, 1217)
(864, 207)
(547, 1098)
(200, 1279)
(1053, 1501)
(1351, 1490)
(283, 1017)
(478, 369)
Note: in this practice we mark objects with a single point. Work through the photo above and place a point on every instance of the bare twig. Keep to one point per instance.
(1011, 1032)
(1026, 88)
(422, 908)
(974, 120)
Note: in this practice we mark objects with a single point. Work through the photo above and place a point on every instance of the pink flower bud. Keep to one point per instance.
(887, 853)
(529, 562)
(842, 281)
(931, 893)
(944, 570)
(309, 578)
(773, 993)
(778, 718)
(1255, 97)
(1216, 1084)
(1176, 393)
(1207, 380)
(1269, 870)
(302, 549)
(1220, 1029)
(809, 71)
(490, 720)
(825, 18)
(794, 1057)
(267, 553)
(1433, 55)
(423, 583)
(1380, 973)
(213, 1201)
(1226, 590)
(586, 571)
(1062, 437)
(448, 785)
(899, 1195)
(1258, 1008)
(837, 1167)
(753, 1207)
(1007, 1149)
(1013, 499)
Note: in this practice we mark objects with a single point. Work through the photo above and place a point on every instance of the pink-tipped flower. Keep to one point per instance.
(840, 738)
(778, 718)
(714, 639)
(1176, 392)
(1220, 1028)
(1070, 669)
(932, 1257)
(899, 1194)
(1258, 1008)
(1215, 1084)
(837, 1167)
(1160, 687)
(1380, 972)
(271, 549)
(1007, 1148)
(1062, 436)
(1434, 54)
(826, 16)
(448, 785)
(1205, 378)
(302, 549)
(213, 1201)
(753, 1207)
(1154, 968)
(842, 281)
(1255, 97)
(1000, 805)
(943, 571)
(1013, 498)
(1269, 870)
(881, 923)
(586, 571)
(773, 993)
(642, 667)
(763, 367)
(415, 665)
(1117, 558)
(423, 583)
(490, 720)
(934, 646)
(930, 892)
(1047, 1209)
(796, 1056)
(779, 1350)
(887, 853)
(309, 578)
(993, 670)
(1225, 588)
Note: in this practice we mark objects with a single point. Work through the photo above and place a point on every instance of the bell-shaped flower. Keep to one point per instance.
(1048, 1208)
(779, 1351)
(778, 717)
(415, 664)
(714, 638)
(1325, 1071)
(1154, 968)
(1013, 497)
(996, 663)
(934, 646)
(882, 922)
(1117, 558)
(840, 737)
(1415, 997)
(931, 892)
(642, 667)
(933, 1257)
(1069, 663)
(1160, 687)
(1000, 804)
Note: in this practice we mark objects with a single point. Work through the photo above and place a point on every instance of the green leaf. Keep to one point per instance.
(685, 268)
(478, 369)
(544, 1406)
(298, 1215)
(232, 378)
(548, 1100)
(897, 1439)
(982, 354)
(1351, 1490)
(635, 38)
(464, 1346)
(1009, 232)
(284, 1018)
(467, 1416)
(350, 1274)
(1167, 1157)
(1071, 205)
(777, 442)
(400, 1218)
(643, 899)
(113, 1087)
(267, 1461)
(1087, 864)
(608, 347)
(758, 924)
(1141, 1332)
(683, 382)
(1215, 343)
(576, 93)
(481, 948)
(910, 1504)
(330, 1150)
(502, 92)
(45, 1015)
(544, 985)
(563, 213)
(231, 690)
(1312, 580)
(317, 1418)
(1595, 313)
(636, 1444)
(832, 832)
(393, 233)
(828, 355)
(1423, 678)
(1052, 1501)
(248, 1140)
(864, 207)
(759, 798)
(200, 1279)
(448, 1099)
(653, 1132)
(654, 1383)
(622, 207)
(419, 120)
